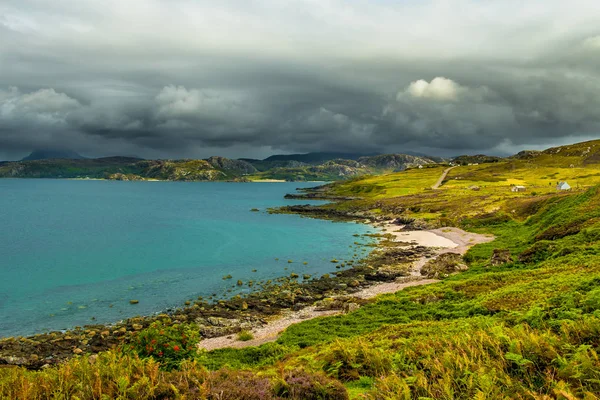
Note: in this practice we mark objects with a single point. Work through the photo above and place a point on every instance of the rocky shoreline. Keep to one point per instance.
(224, 317)
(391, 258)
(447, 246)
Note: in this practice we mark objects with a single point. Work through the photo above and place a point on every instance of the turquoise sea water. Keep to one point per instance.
(71, 251)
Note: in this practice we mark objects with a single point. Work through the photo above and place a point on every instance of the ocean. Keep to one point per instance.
(75, 252)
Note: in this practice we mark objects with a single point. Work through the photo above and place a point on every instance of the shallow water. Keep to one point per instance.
(71, 251)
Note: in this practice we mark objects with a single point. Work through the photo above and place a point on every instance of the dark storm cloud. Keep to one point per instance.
(187, 78)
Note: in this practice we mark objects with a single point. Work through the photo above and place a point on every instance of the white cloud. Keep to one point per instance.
(439, 88)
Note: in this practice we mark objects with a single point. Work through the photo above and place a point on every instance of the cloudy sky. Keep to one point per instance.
(194, 78)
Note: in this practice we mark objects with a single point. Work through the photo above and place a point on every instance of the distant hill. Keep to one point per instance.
(526, 155)
(298, 166)
(571, 155)
(331, 170)
(476, 159)
(46, 154)
(576, 154)
(585, 152)
(129, 168)
(264, 165)
(306, 167)
(317, 158)
(295, 167)
(239, 166)
(338, 168)
(394, 162)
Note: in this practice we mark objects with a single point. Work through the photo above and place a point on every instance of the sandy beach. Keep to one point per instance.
(443, 240)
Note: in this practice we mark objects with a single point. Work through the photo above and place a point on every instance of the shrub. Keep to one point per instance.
(227, 384)
(562, 230)
(348, 362)
(170, 344)
(301, 385)
(592, 300)
(109, 375)
(244, 336)
(538, 252)
(247, 357)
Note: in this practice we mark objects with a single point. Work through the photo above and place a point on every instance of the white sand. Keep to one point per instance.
(422, 238)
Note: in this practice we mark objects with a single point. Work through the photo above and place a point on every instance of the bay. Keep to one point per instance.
(75, 252)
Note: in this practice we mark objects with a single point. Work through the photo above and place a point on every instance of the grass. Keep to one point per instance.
(409, 192)
(245, 336)
(527, 329)
(391, 185)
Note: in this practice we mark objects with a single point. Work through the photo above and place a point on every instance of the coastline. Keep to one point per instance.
(392, 265)
(443, 240)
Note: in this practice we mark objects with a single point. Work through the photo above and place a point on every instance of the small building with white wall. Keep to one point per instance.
(563, 186)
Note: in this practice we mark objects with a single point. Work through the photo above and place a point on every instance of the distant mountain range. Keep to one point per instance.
(293, 167)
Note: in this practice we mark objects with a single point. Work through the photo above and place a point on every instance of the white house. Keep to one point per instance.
(517, 188)
(563, 186)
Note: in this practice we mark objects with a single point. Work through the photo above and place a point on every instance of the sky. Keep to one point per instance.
(251, 78)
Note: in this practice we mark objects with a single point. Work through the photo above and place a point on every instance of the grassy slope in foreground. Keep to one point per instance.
(528, 329)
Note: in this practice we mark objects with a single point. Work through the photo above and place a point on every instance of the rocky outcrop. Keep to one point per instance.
(476, 159)
(210, 327)
(125, 177)
(526, 154)
(416, 225)
(340, 168)
(180, 170)
(394, 162)
(324, 213)
(500, 257)
(443, 266)
(317, 196)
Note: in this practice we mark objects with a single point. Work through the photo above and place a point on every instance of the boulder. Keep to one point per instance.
(443, 266)
(500, 257)
(349, 307)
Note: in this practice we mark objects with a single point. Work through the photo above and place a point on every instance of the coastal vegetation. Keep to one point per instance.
(520, 321)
